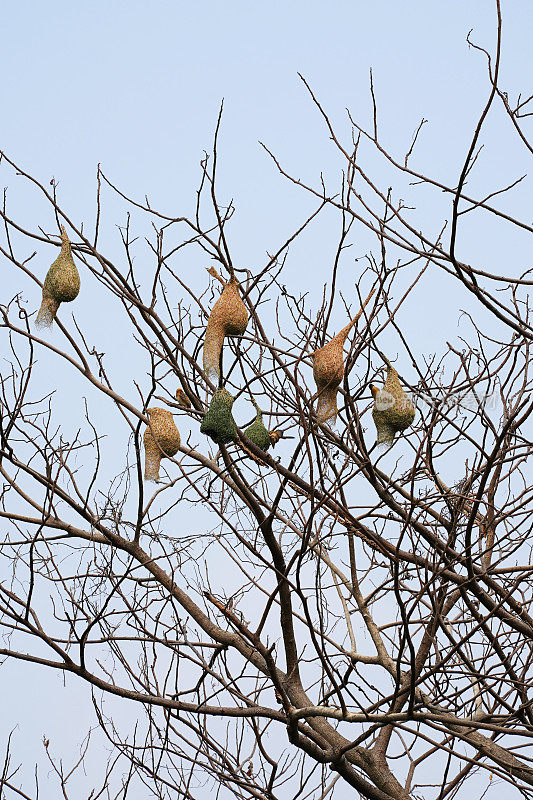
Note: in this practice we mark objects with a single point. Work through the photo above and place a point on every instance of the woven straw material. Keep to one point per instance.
(328, 372)
(228, 317)
(393, 412)
(218, 422)
(61, 285)
(257, 432)
(161, 440)
(327, 405)
(328, 369)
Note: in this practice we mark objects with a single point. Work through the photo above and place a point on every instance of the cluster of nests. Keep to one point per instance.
(393, 411)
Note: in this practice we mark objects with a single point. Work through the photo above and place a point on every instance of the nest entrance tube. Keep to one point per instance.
(393, 411)
(218, 422)
(161, 440)
(61, 285)
(228, 317)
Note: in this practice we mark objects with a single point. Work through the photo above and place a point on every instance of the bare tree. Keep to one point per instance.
(300, 622)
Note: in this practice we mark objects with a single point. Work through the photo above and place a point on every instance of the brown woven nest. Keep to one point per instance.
(161, 440)
(328, 370)
(61, 285)
(228, 317)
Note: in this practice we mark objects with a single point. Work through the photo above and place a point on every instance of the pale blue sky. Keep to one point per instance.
(136, 87)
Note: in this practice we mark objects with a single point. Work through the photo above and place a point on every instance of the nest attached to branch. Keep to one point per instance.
(61, 285)
(393, 411)
(228, 317)
(218, 422)
(161, 440)
(328, 370)
(259, 434)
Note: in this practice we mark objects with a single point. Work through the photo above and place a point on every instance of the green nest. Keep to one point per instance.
(62, 282)
(61, 285)
(218, 422)
(393, 411)
(257, 433)
(385, 433)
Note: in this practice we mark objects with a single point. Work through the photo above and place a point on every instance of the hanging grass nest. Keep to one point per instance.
(61, 285)
(257, 432)
(328, 370)
(228, 317)
(218, 422)
(161, 440)
(393, 411)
